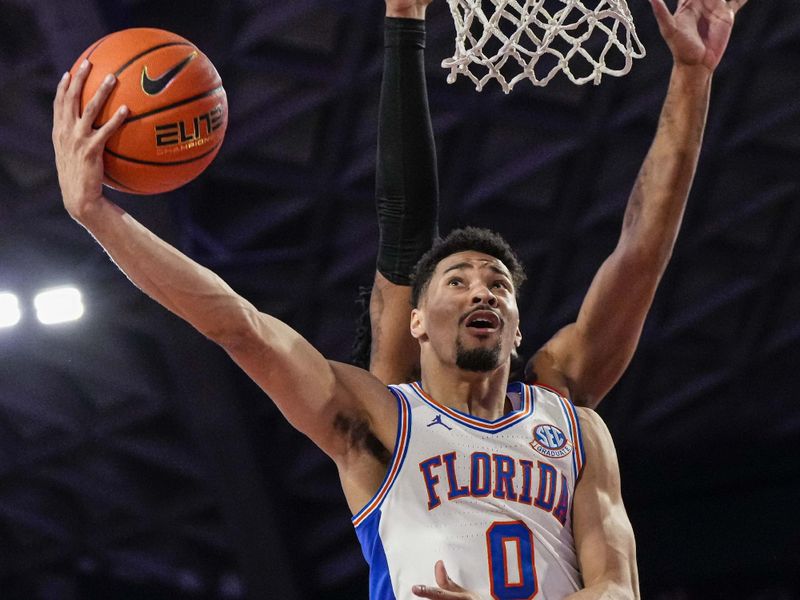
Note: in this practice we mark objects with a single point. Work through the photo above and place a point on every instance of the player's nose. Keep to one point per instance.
(483, 295)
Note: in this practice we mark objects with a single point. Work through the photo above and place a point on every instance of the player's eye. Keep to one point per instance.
(500, 283)
(454, 281)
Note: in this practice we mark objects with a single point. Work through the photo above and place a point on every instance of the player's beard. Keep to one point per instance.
(478, 360)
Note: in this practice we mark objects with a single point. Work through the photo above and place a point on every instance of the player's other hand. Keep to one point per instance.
(409, 9)
(78, 146)
(447, 590)
(697, 33)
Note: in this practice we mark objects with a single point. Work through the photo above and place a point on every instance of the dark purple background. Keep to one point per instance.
(137, 462)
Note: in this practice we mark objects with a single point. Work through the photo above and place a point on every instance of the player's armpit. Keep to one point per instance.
(604, 538)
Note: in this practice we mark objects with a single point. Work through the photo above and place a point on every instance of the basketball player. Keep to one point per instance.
(513, 487)
(407, 201)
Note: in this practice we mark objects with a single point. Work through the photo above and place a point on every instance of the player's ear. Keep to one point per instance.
(517, 338)
(417, 323)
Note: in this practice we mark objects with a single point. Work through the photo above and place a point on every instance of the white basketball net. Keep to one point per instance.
(524, 39)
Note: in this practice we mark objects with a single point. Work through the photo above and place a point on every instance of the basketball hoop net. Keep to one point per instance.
(524, 39)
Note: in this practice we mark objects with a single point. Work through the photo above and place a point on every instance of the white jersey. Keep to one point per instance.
(492, 499)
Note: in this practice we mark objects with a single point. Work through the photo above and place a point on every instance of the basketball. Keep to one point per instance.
(178, 110)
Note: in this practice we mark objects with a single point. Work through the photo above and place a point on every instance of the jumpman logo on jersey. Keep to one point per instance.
(437, 420)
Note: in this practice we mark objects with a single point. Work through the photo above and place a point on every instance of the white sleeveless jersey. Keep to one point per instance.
(493, 500)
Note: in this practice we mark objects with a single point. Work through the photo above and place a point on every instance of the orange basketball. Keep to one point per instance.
(178, 108)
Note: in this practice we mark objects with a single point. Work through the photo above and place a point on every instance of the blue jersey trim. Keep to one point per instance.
(580, 437)
(380, 581)
(568, 428)
(532, 392)
(577, 444)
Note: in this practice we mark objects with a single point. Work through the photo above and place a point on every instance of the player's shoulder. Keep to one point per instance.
(548, 387)
(357, 376)
(591, 420)
(363, 389)
(596, 436)
(589, 415)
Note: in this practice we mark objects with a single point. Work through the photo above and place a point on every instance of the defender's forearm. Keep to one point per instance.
(657, 202)
(406, 185)
(184, 287)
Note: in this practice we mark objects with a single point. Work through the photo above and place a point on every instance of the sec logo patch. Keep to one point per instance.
(550, 441)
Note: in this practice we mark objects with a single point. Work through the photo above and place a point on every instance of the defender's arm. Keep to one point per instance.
(588, 357)
(406, 190)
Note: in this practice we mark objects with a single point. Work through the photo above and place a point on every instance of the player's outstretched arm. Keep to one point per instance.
(273, 354)
(588, 357)
(603, 534)
(406, 190)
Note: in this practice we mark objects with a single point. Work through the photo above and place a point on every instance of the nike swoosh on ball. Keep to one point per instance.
(152, 87)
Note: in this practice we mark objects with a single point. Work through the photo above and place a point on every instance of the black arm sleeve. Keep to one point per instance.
(406, 186)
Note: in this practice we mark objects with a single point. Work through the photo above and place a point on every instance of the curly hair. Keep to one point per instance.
(463, 240)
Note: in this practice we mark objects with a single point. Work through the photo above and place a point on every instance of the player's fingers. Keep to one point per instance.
(662, 15)
(72, 99)
(722, 7)
(95, 105)
(111, 126)
(435, 593)
(58, 105)
(443, 579)
(61, 90)
(735, 5)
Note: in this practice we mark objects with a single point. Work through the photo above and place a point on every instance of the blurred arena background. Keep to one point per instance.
(136, 462)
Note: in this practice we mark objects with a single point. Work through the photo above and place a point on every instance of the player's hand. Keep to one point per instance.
(78, 146)
(410, 9)
(698, 32)
(447, 590)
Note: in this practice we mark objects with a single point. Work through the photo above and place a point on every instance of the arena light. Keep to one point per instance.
(10, 313)
(58, 305)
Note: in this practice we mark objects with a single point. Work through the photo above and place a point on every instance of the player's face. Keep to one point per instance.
(468, 313)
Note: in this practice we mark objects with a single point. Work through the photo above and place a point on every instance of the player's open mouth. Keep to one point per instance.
(483, 321)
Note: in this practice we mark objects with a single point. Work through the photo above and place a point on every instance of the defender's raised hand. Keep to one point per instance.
(698, 32)
(78, 145)
(410, 9)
